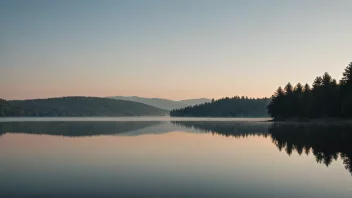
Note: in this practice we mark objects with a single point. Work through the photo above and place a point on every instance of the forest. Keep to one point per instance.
(76, 106)
(226, 107)
(327, 98)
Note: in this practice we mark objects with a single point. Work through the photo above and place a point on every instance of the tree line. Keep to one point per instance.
(226, 107)
(326, 98)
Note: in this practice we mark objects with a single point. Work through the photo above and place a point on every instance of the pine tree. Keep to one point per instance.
(326, 80)
(306, 100)
(306, 88)
(346, 92)
(279, 92)
(347, 76)
(288, 89)
(298, 88)
(318, 82)
(326, 95)
(297, 103)
(289, 101)
(275, 107)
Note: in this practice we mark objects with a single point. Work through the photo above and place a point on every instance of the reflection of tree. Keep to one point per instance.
(347, 160)
(325, 142)
(1, 131)
(74, 129)
(233, 129)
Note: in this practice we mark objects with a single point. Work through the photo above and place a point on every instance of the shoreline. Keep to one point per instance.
(312, 120)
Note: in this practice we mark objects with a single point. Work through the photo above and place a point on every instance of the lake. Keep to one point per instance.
(172, 157)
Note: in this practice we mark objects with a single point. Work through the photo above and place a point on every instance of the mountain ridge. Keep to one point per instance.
(162, 103)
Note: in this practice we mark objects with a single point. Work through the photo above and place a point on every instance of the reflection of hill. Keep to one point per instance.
(325, 142)
(74, 129)
(164, 127)
(236, 129)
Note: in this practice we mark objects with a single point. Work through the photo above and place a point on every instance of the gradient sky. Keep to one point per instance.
(172, 49)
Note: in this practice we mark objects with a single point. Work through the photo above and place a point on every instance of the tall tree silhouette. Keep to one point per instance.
(347, 76)
(276, 105)
(327, 98)
(346, 92)
(298, 100)
(306, 101)
(289, 100)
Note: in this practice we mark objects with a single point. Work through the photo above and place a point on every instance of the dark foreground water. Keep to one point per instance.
(175, 158)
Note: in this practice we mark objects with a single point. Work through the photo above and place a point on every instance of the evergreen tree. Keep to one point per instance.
(297, 104)
(326, 94)
(289, 101)
(277, 104)
(347, 76)
(306, 101)
(327, 98)
(318, 82)
(306, 88)
(346, 92)
(288, 89)
(326, 80)
(317, 103)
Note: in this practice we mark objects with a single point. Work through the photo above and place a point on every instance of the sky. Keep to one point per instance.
(176, 49)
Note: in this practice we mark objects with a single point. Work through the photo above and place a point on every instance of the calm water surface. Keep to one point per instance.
(174, 158)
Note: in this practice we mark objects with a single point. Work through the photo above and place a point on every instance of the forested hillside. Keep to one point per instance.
(326, 98)
(226, 107)
(77, 106)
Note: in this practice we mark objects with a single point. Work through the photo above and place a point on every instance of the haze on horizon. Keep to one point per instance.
(169, 49)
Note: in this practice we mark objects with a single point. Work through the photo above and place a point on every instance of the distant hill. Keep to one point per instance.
(77, 106)
(226, 107)
(163, 103)
(192, 102)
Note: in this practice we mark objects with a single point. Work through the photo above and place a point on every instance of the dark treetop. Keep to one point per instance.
(326, 98)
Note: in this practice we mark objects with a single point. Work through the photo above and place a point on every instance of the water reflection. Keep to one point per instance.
(233, 129)
(240, 159)
(75, 129)
(326, 142)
